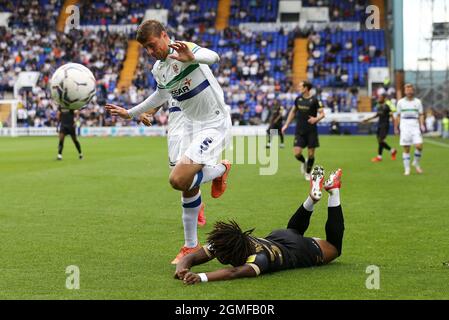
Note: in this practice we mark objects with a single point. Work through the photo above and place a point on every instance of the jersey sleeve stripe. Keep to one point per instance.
(194, 50)
(255, 267)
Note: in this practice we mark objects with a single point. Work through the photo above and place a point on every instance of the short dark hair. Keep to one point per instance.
(230, 244)
(409, 85)
(307, 84)
(149, 28)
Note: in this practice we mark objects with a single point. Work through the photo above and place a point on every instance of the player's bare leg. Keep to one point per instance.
(417, 158)
(201, 214)
(187, 177)
(406, 160)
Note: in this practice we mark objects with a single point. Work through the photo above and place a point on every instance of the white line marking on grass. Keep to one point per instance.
(446, 145)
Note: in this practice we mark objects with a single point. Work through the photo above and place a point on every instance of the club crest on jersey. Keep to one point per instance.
(175, 68)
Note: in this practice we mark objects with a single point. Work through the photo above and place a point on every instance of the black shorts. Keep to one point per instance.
(304, 252)
(275, 126)
(382, 132)
(309, 140)
(67, 130)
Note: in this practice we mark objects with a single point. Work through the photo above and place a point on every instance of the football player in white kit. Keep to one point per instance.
(410, 123)
(182, 72)
(175, 130)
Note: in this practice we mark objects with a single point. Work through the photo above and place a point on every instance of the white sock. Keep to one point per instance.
(190, 209)
(308, 204)
(417, 158)
(208, 173)
(334, 198)
(406, 160)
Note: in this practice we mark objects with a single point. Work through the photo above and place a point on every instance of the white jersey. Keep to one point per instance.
(175, 119)
(207, 121)
(193, 86)
(409, 110)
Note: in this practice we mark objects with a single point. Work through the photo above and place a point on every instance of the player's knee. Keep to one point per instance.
(178, 182)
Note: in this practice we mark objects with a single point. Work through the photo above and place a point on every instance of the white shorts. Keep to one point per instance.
(204, 143)
(410, 136)
(174, 150)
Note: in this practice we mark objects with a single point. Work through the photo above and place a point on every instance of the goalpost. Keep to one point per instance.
(8, 117)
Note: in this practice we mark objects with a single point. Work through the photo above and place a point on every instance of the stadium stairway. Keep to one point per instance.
(223, 13)
(63, 15)
(300, 57)
(381, 5)
(129, 65)
(364, 104)
(5, 111)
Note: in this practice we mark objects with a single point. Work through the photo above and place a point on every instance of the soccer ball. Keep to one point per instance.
(72, 86)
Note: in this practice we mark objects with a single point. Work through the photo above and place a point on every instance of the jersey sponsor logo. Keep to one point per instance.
(205, 144)
(187, 82)
(305, 108)
(178, 92)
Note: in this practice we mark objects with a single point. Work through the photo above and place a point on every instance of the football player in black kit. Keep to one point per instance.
(281, 249)
(308, 111)
(385, 111)
(65, 126)
(277, 112)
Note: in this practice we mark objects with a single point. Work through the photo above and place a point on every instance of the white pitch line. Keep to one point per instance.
(437, 143)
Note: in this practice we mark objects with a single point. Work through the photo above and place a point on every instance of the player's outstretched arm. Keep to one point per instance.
(422, 122)
(147, 117)
(184, 54)
(290, 118)
(244, 271)
(158, 98)
(396, 124)
(371, 118)
(314, 120)
(190, 260)
(117, 111)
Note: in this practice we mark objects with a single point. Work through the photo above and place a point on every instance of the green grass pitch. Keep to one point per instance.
(115, 216)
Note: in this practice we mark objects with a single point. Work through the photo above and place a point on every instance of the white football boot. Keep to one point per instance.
(316, 183)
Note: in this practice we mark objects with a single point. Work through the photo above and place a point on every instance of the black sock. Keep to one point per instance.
(60, 146)
(300, 220)
(310, 163)
(76, 143)
(78, 146)
(381, 149)
(335, 227)
(301, 158)
(386, 146)
(282, 136)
